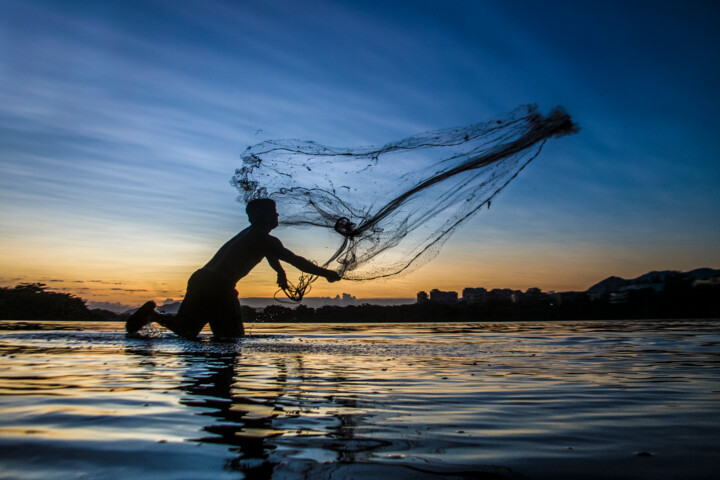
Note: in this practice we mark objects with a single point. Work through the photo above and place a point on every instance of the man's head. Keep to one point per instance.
(261, 213)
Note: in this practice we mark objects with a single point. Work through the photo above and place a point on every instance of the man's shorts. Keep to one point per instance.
(210, 298)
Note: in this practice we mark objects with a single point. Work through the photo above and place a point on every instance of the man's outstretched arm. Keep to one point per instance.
(307, 266)
(282, 253)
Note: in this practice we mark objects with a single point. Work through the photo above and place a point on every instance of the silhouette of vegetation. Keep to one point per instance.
(31, 301)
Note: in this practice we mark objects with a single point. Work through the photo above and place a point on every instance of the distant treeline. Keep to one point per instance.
(679, 300)
(30, 301)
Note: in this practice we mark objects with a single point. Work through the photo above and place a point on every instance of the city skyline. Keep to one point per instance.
(122, 124)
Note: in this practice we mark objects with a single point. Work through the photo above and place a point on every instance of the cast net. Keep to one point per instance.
(392, 207)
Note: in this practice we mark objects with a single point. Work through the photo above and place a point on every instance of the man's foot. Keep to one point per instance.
(141, 317)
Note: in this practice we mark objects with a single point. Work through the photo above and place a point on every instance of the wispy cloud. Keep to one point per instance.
(120, 128)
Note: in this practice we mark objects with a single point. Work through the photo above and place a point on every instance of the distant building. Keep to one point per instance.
(622, 295)
(658, 287)
(443, 297)
(474, 295)
(500, 294)
(422, 297)
(569, 297)
(531, 294)
(707, 282)
(619, 297)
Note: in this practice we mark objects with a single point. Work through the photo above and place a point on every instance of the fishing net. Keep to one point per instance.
(393, 207)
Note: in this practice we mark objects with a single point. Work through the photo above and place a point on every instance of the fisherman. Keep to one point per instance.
(211, 296)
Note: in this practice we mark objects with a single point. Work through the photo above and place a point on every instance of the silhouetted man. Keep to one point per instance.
(211, 296)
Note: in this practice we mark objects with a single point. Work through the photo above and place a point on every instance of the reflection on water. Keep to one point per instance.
(507, 400)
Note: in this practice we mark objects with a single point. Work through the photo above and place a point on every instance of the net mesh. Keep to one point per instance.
(393, 207)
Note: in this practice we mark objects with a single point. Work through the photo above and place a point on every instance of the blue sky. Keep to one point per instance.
(121, 124)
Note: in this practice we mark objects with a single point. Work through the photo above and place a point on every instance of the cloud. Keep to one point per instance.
(120, 131)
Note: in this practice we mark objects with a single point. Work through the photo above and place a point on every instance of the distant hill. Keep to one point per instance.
(115, 307)
(610, 284)
(613, 284)
(703, 273)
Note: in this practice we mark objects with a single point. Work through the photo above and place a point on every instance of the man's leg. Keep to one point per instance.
(226, 320)
(176, 324)
(191, 317)
(141, 317)
(147, 314)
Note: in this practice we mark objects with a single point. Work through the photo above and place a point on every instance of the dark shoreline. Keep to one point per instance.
(680, 300)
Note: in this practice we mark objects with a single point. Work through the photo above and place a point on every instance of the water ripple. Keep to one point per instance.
(483, 400)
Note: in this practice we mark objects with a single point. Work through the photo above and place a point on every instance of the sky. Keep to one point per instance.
(121, 124)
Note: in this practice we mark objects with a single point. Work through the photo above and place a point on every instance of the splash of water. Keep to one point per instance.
(394, 206)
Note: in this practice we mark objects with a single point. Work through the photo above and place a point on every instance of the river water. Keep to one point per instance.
(517, 400)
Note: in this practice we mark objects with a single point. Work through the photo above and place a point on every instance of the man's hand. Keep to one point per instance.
(332, 276)
(282, 281)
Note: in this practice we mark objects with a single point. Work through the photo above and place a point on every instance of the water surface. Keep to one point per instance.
(514, 400)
